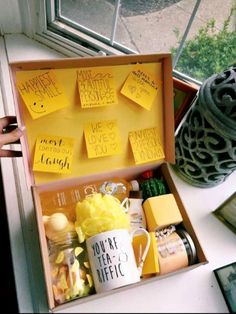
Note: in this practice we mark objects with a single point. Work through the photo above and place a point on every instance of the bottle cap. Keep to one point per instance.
(147, 174)
(134, 185)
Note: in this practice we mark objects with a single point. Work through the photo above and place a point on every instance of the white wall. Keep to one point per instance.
(17, 16)
(10, 17)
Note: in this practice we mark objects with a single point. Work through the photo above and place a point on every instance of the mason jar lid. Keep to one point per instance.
(64, 239)
(189, 245)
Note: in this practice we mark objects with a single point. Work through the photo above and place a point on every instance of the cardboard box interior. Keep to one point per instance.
(69, 122)
(163, 171)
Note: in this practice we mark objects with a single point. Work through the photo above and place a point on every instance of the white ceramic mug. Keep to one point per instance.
(112, 258)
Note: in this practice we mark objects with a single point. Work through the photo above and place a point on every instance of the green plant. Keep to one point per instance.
(210, 51)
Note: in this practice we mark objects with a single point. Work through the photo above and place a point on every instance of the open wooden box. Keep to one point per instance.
(69, 122)
(184, 94)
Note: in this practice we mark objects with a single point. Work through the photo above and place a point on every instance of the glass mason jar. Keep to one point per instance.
(70, 270)
(176, 250)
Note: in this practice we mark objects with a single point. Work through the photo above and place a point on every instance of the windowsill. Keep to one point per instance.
(196, 289)
(19, 48)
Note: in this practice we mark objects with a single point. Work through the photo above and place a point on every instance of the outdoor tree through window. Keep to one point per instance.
(182, 27)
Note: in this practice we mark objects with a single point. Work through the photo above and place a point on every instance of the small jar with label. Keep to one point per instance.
(176, 250)
(70, 270)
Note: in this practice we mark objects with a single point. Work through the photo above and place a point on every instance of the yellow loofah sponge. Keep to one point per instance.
(99, 213)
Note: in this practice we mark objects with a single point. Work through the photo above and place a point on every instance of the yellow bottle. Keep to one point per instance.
(117, 187)
(67, 198)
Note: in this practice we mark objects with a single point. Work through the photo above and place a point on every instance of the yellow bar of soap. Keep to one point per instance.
(151, 264)
(161, 211)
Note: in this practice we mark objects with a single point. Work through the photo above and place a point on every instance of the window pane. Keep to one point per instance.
(96, 15)
(156, 26)
(142, 26)
(211, 45)
(151, 24)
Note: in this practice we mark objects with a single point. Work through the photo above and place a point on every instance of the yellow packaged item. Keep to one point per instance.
(151, 265)
(161, 211)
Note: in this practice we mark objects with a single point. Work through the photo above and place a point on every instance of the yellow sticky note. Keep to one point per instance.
(53, 154)
(96, 87)
(102, 138)
(41, 91)
(141, 88)
(146, 145)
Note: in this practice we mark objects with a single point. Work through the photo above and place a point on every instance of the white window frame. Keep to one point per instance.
(41, 32)
(38, 30)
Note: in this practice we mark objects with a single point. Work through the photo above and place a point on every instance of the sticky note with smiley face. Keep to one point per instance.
(102, 138)
(41, 92)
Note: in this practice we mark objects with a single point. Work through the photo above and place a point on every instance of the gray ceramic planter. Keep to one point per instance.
(206, 140)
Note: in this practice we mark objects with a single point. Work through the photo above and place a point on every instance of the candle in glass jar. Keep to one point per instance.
(175, 251)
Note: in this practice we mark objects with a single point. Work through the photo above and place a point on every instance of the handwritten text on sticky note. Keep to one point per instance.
(96, 87)
(41, 91)
(146, 145)
(141, 88)
(102, 138)
(53, 154)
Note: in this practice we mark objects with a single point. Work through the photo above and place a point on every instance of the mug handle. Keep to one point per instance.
(145, 251)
